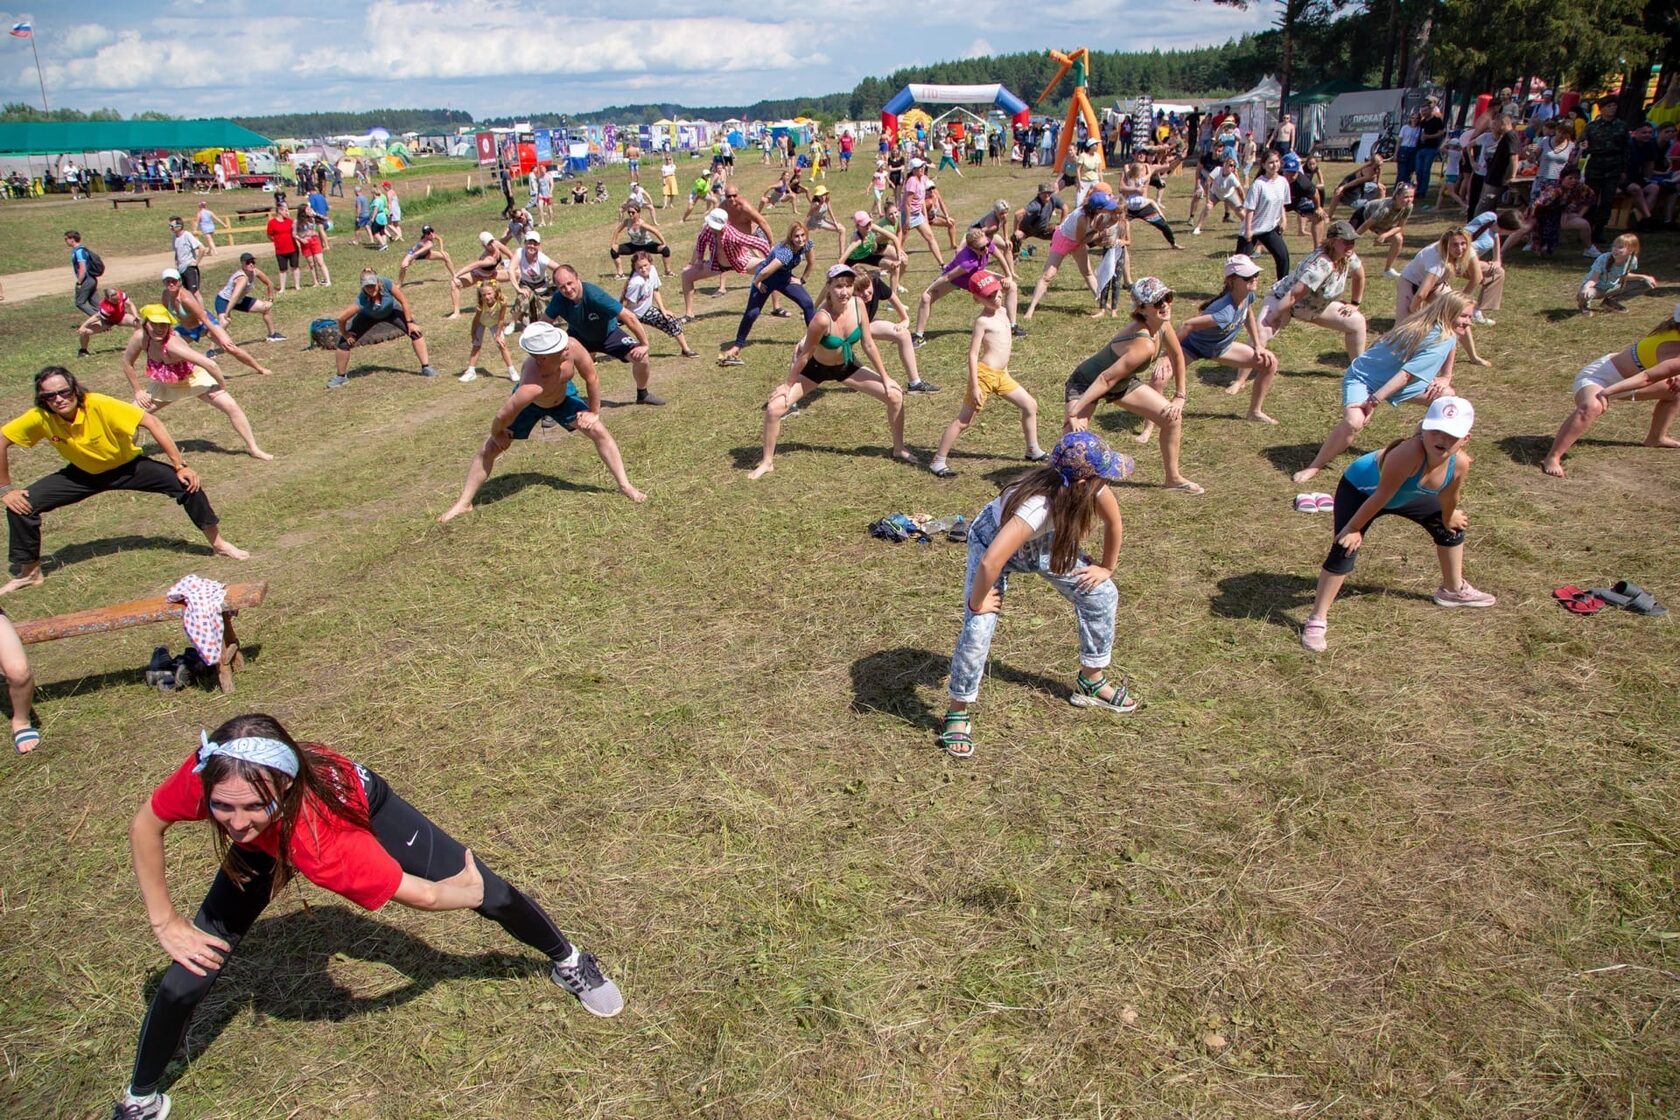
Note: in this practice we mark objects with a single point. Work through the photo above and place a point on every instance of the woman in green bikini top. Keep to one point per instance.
(837, 336)
(1131, 371)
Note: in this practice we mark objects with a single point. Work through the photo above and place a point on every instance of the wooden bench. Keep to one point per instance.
(146, 199)
(142, 611)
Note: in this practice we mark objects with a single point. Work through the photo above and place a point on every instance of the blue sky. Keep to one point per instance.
(492, 57)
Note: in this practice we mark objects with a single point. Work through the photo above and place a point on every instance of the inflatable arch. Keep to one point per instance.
(951, 95)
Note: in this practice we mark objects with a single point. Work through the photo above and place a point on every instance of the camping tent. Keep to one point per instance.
(48, 137)
(1258, 108)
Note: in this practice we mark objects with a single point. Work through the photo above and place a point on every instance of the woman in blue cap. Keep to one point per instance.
(1036, 525)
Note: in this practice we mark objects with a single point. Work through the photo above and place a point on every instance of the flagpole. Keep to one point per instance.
(38, 75)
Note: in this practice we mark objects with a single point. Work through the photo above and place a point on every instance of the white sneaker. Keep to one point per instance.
(513, 373)
(471, 374)
(1478, 318)
(1590, 251)
(1392, 273)
(507, 330)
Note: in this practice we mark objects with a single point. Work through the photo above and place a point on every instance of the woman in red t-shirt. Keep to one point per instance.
(280, 232)
(280, 807)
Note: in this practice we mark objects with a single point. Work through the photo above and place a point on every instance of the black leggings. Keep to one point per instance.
(72, 484)
(1422, 508)
(756, 300)
(1160, 223)
(419, 846)
(629, 250)
(1272, 239)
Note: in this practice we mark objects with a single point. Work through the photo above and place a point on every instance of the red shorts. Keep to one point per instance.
(312, 246)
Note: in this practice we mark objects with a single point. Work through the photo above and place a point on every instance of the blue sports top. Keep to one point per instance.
(1227, 321)
(1365, 472)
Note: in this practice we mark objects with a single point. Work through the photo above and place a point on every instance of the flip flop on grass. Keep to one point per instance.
(26, 739)
(1576, 601)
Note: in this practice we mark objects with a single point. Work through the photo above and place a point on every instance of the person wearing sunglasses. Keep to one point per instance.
(95, 435)
(1122, 370)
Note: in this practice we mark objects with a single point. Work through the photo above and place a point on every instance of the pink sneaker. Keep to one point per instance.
(1312, 635)
(1465, 596)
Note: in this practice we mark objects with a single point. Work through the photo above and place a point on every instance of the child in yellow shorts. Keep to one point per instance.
(989, 349)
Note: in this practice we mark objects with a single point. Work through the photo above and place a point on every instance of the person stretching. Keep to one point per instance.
(95, 435)
(115, 310)
(1211, 335)
(602, 325)
(1036, 525)
(1085, 223)
(1121, 371)
(378, 301)
(976, 254)
(1418, 478)
(1649, 370)
(1313, 293)
(1263, 211)
(1413, 361)
(775, 276)
(430, 247)
(636, 233)
(641, 296)
(490, 313)
(827, 355)
(193, 322)
(236, 295)
(989, 349)
(546, 391)
(172, 376)
(279, 807)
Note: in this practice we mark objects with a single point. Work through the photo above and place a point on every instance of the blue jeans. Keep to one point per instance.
(1093, 610)
(780, 282)
(1405, 164)
(1425, 164)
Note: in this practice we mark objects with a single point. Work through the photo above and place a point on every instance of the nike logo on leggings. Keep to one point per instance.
(413, 838)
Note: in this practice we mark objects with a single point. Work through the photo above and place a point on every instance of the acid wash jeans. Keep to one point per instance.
(1093, 609)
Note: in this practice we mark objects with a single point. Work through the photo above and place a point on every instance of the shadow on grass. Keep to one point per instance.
(282, 970)
(1291, 457)
(197, 446)
(746, 458)
(1527, 451)
(886, 683)
(110, 546)
(507, 485)
(1272, 596)
(95, 682)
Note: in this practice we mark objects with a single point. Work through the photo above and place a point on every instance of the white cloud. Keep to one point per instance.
(979, 49)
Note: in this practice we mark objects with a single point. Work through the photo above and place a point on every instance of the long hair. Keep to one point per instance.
(1071, 510)
(69, 379)
(1222, 292)
(1409, 335)
(1668, 324)
(793, 228)
(1467, 263)
(320, 783)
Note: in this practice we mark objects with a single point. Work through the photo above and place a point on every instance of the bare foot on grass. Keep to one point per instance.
(1305, 475)
(1663, 441)
(632, 493)
(453, 512)
(1256, 414)
(761, 470)
(1553, 467)
(230, 550)
(31, 578)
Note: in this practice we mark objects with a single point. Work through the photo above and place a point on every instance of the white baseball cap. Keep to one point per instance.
(543, 338)
(717, 219)
(170, 274)
(533, 235)
(484, 238)
(1241, 264)
(1452, 415)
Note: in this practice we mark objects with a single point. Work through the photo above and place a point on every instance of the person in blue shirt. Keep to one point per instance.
(1211, 334)
(1414, 361)
(602, 325)
(378, 301)
(81, 263)
(775, 275)
(1418, 478)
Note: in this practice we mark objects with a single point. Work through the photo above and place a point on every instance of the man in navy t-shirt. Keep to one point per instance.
(601, 325)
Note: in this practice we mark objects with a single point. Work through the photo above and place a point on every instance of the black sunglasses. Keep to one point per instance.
(54, 394)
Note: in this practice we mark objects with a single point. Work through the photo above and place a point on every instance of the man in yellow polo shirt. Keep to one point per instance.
(95, 435)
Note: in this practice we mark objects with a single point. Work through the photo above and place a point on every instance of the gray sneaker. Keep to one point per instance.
(338, 381)
(155, 1109)
(580, 974)
(427, 371)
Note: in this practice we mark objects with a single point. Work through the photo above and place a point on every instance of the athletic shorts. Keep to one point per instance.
(362, 322)
(992, 381)
(192, 334)
(1061, 244)
(244, 304)
(618, 344)
(1075, 387)
(914, 221)
(565, 414)
(1601, 373)
(287, 260)
(312, 247)
(814, 370)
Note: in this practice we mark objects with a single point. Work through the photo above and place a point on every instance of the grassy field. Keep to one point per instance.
(1431, 873)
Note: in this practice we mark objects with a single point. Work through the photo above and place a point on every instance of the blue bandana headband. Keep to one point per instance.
(264, 752)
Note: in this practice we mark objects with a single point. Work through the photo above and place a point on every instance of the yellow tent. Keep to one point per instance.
(390, 164)
(910, 118)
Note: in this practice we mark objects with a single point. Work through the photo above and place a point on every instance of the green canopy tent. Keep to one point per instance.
(34, 146)
(1308, 105)
(58, 137)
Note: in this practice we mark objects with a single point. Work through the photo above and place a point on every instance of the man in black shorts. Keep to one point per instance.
(602, 325)
(1038, 219)
(379, 301)
(546, 394)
